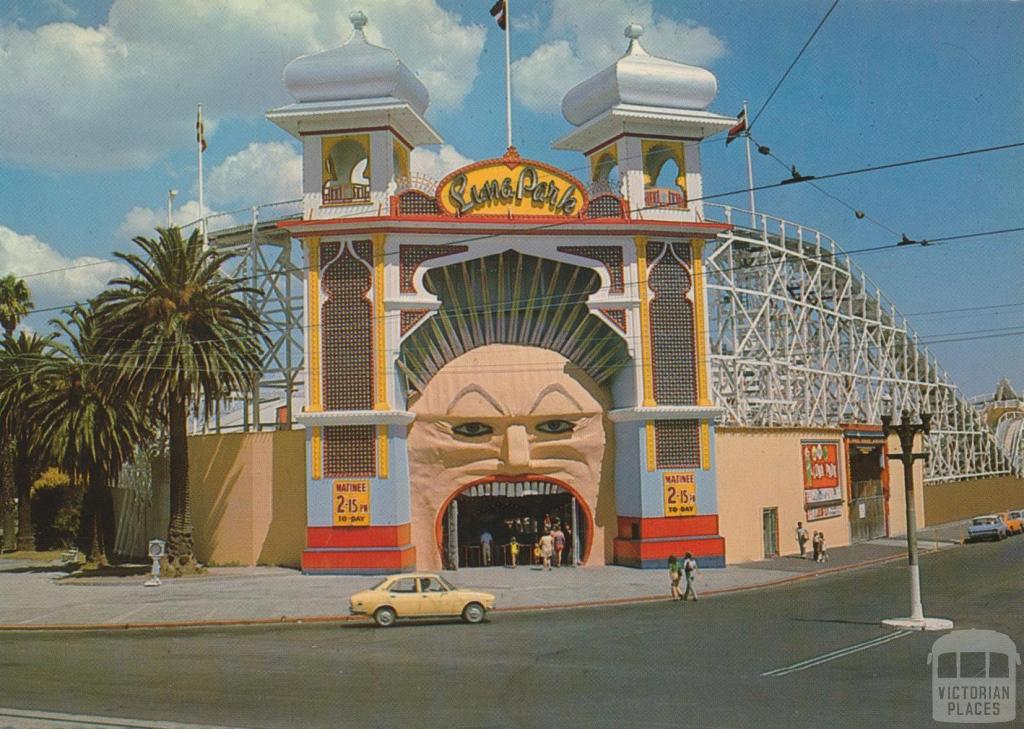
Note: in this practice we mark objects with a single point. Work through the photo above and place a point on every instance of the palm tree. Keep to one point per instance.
(15, 302)
(19, 358)
(182, 335)
(90, 426)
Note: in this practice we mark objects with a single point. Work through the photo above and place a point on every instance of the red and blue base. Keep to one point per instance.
(369, 550)
(647, 543)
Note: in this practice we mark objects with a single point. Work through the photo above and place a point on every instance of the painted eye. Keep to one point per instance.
(555, 426)
(472, 430)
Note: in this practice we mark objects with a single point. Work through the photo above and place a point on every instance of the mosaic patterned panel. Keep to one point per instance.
(347, 337)
(616, 316)
(610, 256)
(410, 317)
(605, 206)
(411, 257)
(672, 329)
(677, 443)
(350, 450)
(417, 203)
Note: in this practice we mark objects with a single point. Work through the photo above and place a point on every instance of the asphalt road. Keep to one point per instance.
(650, 665)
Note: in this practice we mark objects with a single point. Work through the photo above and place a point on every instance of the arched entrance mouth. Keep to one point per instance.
(520, 507)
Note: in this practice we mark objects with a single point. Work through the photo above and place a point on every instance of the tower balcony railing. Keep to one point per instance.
(660, 198)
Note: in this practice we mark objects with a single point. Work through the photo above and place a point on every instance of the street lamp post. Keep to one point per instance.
(907, 432)
(171, 194)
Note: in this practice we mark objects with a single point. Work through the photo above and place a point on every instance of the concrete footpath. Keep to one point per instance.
(47, 595)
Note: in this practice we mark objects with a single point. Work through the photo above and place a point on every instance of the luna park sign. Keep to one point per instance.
(511, 187)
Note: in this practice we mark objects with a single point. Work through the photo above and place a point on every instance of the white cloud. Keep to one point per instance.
(580, 44)
(72, 279)
(260, 173)
(437, 164)
(120, 94)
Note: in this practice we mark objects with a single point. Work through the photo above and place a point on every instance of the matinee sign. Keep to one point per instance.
(351, 503)
(511, 186)
(680, 490)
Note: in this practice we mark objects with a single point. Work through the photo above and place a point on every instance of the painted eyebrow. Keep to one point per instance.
(554, 387)
(470, 389)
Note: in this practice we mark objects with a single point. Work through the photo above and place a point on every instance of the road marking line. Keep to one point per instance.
(99, 722)
(839, 653)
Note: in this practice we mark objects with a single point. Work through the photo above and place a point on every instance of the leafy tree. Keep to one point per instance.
(183, 335)
(90, 425)
(15, 302)
(19, 358)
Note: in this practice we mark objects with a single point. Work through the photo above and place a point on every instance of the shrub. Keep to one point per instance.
(56, 509)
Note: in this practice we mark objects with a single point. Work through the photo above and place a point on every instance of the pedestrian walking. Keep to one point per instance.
(486, 540)
(513, 551)
(822, 552)
(801, 539)
(547, 549)
(559, 536)
(690, 572)
(675, 574)
(816, 543)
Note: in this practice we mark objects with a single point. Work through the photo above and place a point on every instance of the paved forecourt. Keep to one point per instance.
(44, 594)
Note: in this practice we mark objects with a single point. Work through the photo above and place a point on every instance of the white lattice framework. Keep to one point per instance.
(801, 337)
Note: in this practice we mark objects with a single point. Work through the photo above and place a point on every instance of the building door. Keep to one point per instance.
(770, 531)
(867, 492)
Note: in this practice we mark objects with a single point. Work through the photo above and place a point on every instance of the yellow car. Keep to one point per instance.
(419, 595)
(1014, 521)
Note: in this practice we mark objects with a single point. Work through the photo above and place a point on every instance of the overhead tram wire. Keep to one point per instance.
(659, 206)
(791, 65)
(707, 272)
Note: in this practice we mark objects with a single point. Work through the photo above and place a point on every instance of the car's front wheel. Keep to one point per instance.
(384, 617)
(473, 613)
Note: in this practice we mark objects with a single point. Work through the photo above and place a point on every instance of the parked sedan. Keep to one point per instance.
(419, 596)
(990, 526)
(1014, 521)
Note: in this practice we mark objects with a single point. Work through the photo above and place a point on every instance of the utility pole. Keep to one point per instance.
(907, 431)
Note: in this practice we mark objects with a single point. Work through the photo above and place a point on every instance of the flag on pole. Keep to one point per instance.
(200, 134)
(500, 13)
(738, 128)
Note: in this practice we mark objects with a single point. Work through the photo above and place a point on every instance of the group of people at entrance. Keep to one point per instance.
(547, 551)
(677, 571)
(819, 553)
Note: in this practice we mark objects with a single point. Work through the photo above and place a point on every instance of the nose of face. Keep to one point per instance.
(516, 448)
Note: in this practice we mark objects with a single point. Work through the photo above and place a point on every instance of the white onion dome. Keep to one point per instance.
(356, 70)
(640, 79)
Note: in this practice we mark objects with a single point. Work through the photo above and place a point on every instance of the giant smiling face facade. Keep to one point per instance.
(502, 411)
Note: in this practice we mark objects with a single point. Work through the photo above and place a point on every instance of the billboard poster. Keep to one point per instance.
(823, 495)
(351, 503)
(680, 493)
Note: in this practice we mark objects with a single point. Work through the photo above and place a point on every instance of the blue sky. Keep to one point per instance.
(97, 103)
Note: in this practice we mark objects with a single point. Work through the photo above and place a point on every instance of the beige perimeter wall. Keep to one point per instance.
(945, 502)
(249, 497)
(760, 468)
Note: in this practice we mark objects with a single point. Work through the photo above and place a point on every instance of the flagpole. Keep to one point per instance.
(199, 145)
(508, 71)
(750, 174)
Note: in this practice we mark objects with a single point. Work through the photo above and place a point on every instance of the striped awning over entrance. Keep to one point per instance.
(513, 488)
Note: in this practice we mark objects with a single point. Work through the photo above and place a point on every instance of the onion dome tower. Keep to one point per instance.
(359, 113)
(638, 122)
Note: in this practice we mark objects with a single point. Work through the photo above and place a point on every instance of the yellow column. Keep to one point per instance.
(315, 404)
(646, 352)
(380, 352)
(701, 352)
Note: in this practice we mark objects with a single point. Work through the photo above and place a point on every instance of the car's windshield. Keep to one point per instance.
(379, 584)
(982, 520)
(446, 583)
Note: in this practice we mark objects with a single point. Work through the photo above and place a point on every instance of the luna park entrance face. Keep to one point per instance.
(519, 512)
